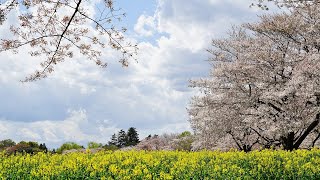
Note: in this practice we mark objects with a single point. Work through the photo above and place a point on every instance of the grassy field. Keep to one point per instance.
(266, 164)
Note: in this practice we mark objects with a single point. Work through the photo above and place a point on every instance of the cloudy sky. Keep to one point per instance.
(81, 102)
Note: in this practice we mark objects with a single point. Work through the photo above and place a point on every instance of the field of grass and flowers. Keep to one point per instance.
(265, 164)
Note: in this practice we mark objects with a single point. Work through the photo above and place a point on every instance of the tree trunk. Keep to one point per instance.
(246, 148)
(310, 128)
(288, 141)
(315, 140)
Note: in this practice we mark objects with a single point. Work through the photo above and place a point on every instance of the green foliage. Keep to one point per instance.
(184, 144)
(68, 146)
(132, 137)
(43, 147)
(184, 141)
(92, 145)
(122, 138)
(185, 134)
(33, 144)
(23, 142)
(6, 143)
(110, 147)
(114, 140)
(30, 147)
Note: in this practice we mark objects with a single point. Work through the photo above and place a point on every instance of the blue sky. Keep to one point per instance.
(80, 102)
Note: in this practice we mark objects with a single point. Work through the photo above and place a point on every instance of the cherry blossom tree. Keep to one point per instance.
(56, 29)
(264, 87)
(263, 4)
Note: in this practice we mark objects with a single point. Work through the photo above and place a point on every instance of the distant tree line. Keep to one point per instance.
(122, 139)
(30, 147)
(119, 140)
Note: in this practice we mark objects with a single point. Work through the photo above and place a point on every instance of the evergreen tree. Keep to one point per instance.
(43, 147)
(132, 137)
(114, 140)
(122, 138)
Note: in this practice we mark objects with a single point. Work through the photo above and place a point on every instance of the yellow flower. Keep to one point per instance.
(113, 169)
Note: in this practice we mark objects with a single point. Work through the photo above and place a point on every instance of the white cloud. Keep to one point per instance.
(55, 132)
(145, 25)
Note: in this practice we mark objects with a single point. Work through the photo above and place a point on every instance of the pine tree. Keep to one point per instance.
(122, 138)
(132, 137)
(43, 147)
(114, 140)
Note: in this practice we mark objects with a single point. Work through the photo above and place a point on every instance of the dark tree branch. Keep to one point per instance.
(61, 37)
(235, 140)
(315, 140)
(313, 125)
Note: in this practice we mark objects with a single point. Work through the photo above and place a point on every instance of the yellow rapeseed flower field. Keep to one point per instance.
(265, 164)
